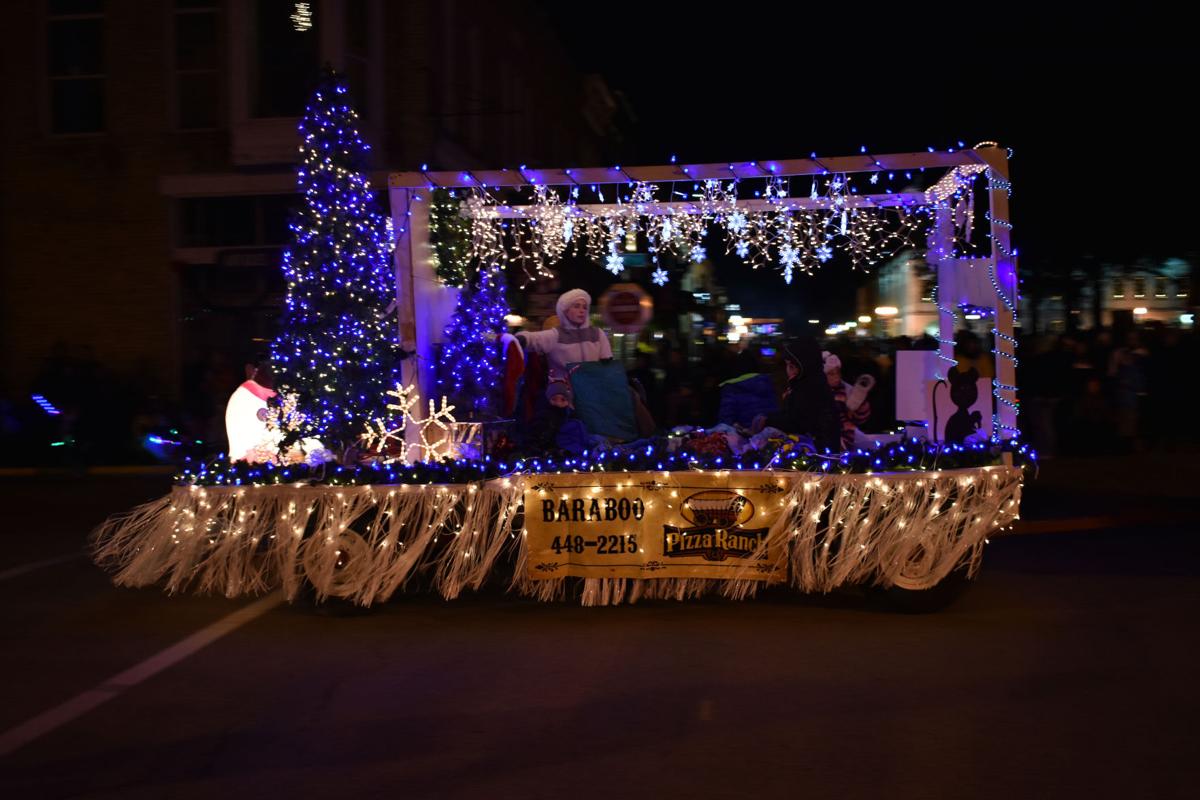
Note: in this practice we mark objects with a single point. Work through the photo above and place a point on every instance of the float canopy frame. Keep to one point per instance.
(423, 302)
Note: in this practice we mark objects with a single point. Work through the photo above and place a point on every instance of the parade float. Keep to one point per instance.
(372, 484)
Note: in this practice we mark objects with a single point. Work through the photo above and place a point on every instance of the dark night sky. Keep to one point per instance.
(1096, 121)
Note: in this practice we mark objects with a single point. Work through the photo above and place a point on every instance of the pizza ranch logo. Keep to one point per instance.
(717, 518)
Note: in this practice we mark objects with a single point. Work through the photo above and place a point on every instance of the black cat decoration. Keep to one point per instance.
(964, 392)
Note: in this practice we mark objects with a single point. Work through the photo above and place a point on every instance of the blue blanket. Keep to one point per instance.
(602, 399)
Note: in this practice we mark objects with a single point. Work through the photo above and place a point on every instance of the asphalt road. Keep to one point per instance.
(1068, 669)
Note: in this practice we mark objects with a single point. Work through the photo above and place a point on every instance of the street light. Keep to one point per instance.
(886, 311)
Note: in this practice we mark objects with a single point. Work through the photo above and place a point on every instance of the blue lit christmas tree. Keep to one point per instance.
(337, 348)
(469, 368)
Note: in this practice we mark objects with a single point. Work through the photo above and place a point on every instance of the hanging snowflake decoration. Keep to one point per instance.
(789, 257)
(742, 248)
(824, 253)
(643, 194)
(736, 223)
(698, 254)
(659, 277)
(667, 230)
(614, 263)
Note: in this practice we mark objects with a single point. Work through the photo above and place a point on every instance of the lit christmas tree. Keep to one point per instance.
(337, 349)
(470, 366)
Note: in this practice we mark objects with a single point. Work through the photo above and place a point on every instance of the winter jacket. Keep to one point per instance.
(808, 409)
(558, 429)
(568, 343)
(745, 397)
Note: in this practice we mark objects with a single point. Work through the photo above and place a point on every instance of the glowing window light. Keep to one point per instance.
(302, 17)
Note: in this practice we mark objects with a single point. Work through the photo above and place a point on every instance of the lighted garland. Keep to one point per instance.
(771, 229)
(451, 234)
(911, 455)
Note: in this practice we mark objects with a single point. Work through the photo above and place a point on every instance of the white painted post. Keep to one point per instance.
(1004, 280)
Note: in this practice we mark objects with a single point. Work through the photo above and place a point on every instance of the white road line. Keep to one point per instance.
(84, 702)
(49, 562)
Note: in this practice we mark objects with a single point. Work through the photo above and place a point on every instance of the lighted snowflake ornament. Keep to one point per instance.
(438, 417)
(736, 223)
(824, 253)
(742, 248)
(614, 263)
(698, 254)
(659, 277)
(381, 434)
(789, 257)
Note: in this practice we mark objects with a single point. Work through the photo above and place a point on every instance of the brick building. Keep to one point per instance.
(149, 146)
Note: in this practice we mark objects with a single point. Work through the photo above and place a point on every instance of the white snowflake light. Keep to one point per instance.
(698, 254)
(736, 222)
(381, 434)
(659, 277)
(614, 263)
(824, 253)
(742, 248)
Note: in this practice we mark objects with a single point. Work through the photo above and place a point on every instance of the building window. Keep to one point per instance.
(1139, 286)
(1161, 286)
(1118, 288)
(285, 58)
(238, 221)
(1183, 287)
(75, 65)
(197, 62)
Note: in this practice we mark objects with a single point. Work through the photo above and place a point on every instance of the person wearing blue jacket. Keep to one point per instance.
(559, 428)
(746, 395)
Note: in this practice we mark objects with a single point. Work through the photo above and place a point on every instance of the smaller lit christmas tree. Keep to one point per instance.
(470, 365)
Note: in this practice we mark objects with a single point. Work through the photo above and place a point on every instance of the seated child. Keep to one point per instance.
(559, 428)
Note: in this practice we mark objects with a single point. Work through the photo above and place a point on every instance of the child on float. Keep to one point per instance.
(575, 341)
(851, 400)
(558, 428)
(807, 408)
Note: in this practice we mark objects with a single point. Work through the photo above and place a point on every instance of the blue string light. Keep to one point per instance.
(337, 349)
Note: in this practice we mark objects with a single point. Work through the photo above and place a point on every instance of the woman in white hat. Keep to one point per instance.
(574, 340)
